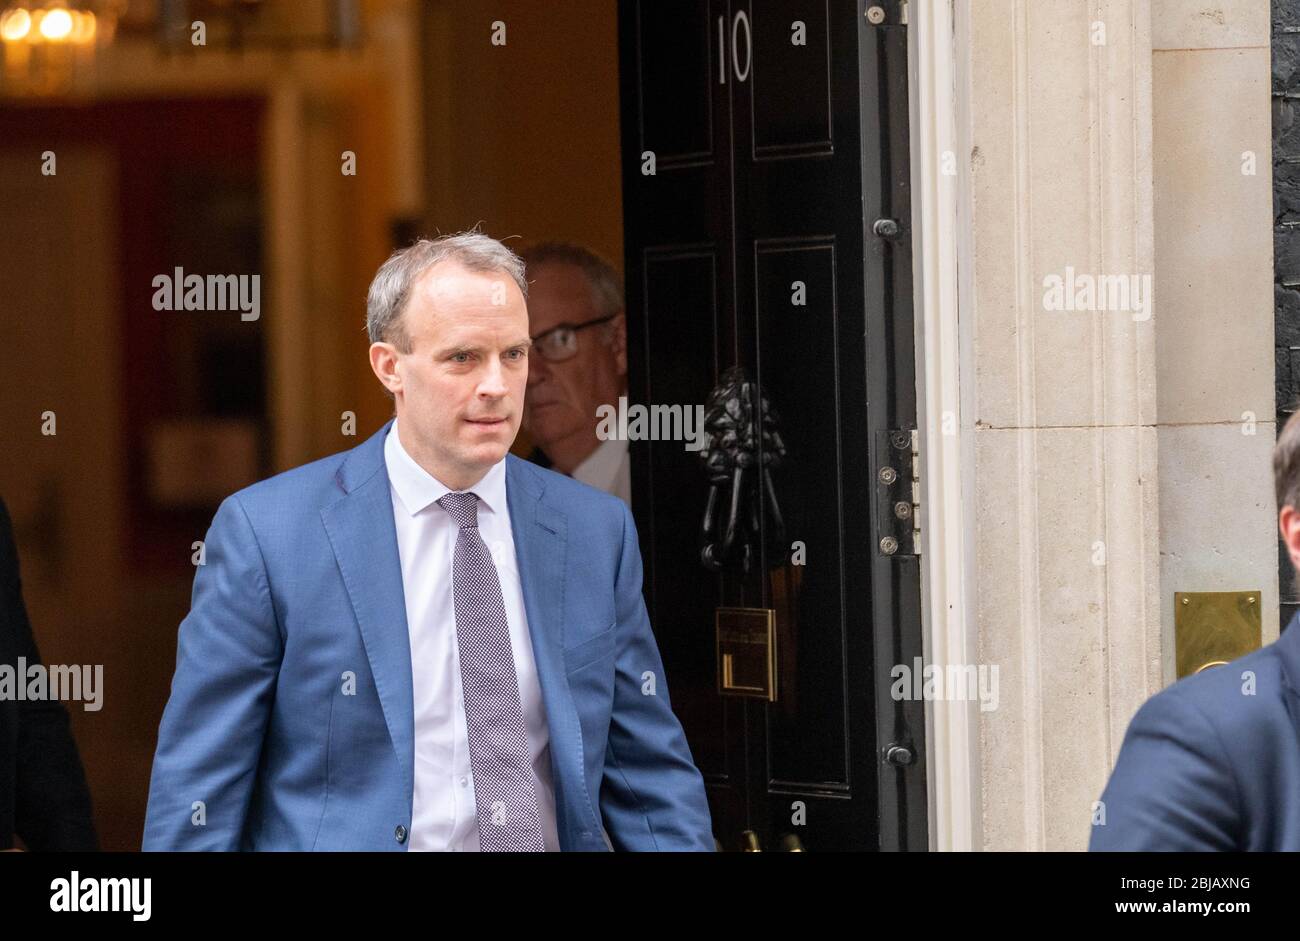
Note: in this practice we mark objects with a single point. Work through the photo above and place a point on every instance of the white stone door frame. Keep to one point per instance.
(941, 250)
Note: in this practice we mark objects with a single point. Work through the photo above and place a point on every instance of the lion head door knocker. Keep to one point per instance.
(740, 473)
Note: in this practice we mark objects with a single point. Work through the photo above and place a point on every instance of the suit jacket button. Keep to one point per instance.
(400, 834)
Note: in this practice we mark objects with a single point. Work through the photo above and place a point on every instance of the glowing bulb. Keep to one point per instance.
(15, 24)
(56, 24)
(83, 27)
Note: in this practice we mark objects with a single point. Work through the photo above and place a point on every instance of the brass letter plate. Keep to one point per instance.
(1214, 627)
(747, 652)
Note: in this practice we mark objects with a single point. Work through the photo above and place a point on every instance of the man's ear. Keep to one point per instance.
(619, 324)
(383, 361)
(1288, 523)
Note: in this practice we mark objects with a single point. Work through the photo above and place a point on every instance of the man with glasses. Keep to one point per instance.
(575, 310)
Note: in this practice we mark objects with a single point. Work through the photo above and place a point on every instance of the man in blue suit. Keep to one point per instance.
(1213, 761)
(425, 643)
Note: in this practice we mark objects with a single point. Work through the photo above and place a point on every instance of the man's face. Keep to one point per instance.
(459, 392)
(563, 397)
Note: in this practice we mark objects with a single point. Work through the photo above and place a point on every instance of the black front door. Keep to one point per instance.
(767, 217)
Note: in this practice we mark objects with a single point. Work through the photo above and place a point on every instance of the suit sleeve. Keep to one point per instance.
(1173, 787)
(652, 796)
(52, 810)
(228, 655)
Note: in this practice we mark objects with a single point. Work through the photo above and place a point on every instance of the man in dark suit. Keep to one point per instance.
(43, 794)
(1213, 761)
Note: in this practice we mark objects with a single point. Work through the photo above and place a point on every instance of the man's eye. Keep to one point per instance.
(517, 354)
(460, 357)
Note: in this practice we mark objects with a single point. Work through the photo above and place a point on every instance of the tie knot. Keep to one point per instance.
(463, 507)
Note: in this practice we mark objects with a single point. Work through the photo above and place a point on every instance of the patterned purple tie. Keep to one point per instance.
(509, 818)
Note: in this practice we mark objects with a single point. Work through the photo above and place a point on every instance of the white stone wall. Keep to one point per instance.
(1110, 465)
(1211, 123)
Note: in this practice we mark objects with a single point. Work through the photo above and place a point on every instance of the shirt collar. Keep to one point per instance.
(418, 489)
(599, 468)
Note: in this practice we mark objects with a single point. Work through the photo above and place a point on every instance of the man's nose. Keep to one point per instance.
(493, 384)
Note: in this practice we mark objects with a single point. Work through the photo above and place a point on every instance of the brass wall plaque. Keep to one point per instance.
(1213, 627)
(746, 646)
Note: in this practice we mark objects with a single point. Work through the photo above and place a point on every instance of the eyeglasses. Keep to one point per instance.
(561, 343)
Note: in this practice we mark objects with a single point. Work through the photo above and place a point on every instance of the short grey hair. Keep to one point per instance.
(392, 283)
(606, 284)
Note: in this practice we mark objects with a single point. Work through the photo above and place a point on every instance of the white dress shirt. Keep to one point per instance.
(608, 468)
(444, 815)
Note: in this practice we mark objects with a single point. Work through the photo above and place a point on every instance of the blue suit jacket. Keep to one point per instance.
(260, 748)
(1207, 766)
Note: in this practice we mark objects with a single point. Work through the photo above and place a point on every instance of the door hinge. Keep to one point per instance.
(898, 492)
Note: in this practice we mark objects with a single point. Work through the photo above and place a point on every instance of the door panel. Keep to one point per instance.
(677, 118)
(792, 107)
(797, 360)
(680, 337)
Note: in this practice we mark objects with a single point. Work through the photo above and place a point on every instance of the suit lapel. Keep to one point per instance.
(541, 542)
(364, 538)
